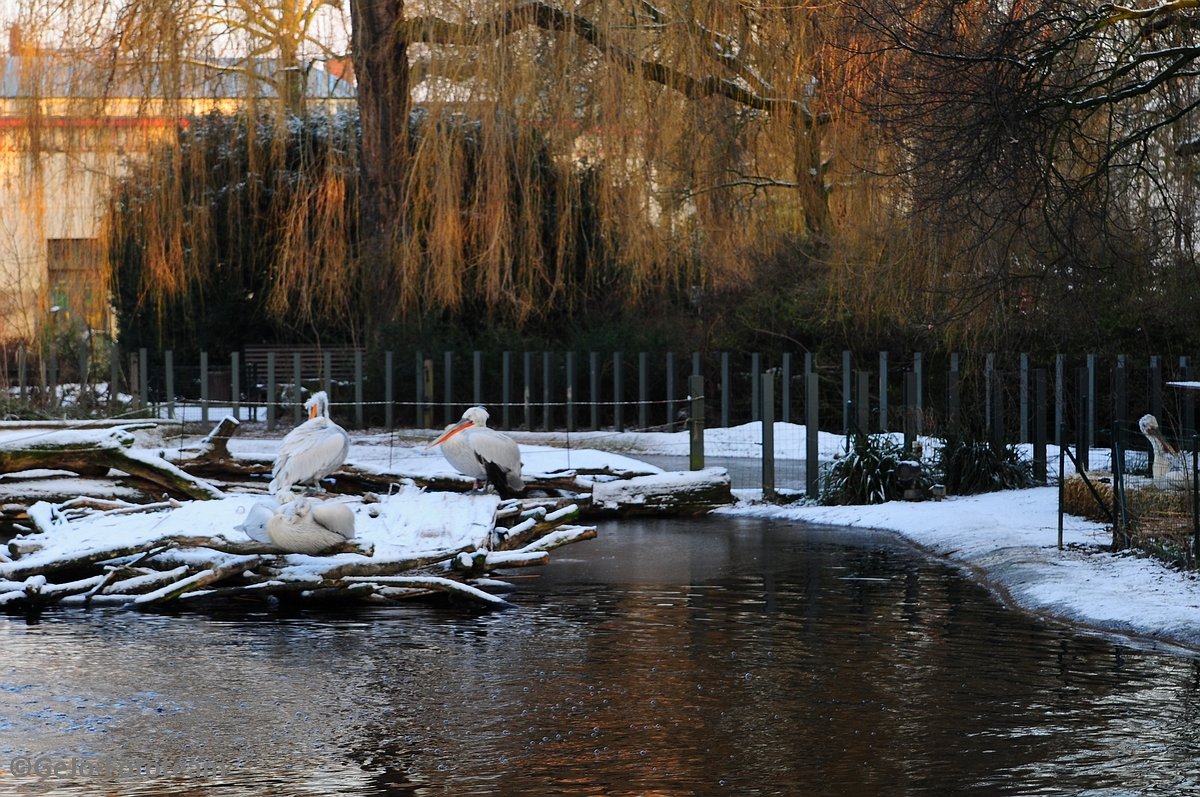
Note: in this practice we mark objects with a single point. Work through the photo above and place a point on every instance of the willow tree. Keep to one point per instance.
(633, 151)
(1047, 149)
(716, 125)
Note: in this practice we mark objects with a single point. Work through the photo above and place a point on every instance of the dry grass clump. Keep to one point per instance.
(1159, 518)
(1079, 500)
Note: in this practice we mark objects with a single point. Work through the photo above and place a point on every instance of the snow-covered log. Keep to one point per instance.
(407, 544)
(686, 493)
(95, 451)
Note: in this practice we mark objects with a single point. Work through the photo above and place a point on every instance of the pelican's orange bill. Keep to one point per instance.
(312, 411)
(446, 435)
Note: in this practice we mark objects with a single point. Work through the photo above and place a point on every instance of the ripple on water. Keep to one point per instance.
(717, 657)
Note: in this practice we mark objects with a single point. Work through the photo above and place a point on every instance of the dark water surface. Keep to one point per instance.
(741, 657)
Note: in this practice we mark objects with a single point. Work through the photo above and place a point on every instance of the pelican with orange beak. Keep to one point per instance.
(311, 451)
(482, 453)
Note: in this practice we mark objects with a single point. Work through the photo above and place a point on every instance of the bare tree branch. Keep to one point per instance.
(434, 30)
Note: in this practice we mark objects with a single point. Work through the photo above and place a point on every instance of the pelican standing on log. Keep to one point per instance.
(482, 453)
(311, 451)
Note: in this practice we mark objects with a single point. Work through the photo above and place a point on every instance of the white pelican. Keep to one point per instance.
(1169, 466)
(482, 453)
(312, 527)
(311, 451)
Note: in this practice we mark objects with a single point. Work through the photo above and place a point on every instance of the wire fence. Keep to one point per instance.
(1081, 403)
(1007, 398)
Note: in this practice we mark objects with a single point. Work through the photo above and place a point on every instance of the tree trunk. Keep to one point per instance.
(380, 57)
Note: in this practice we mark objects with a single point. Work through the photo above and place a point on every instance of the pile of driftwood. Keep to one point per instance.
(100, 451)
(173, 569)
(181, 544)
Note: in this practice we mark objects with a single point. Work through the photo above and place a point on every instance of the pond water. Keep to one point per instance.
(722, 656)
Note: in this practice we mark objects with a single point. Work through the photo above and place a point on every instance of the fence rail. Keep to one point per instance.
(1008, 397)
(1079, 401)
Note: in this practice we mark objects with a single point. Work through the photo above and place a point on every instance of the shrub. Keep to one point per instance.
(969, 466)
(867, 474)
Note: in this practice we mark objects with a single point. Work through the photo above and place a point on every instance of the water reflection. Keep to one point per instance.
(722, 657)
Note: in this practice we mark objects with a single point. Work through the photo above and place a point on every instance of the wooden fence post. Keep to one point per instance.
(143, 380)
(477, 378)
(506, 388)
(643, 409)
(1156, 386)
(696, 423)
(547, 391)
(271, 388)
(358, 389)
(527, 390)
(919, 378)
(1023, 407)
(114, 375)
(1081, 423)
(989, 376)
(297, 389)
(618, 393)
(953, 396)
(670, 391)
(768, 435)
(22, 389)
(812, 433)
(1039, 425)
(910, 410)
(204, 387)
(169, 378)
(449, 416)
(786, 384)
(1189, 400)
(1091, 400)
(846, 392)
(864, 402)
(594, 383)
(235, 384)
(570, 391)
(1060, 398)
(427, 381)
(725, 389)
(755, 393)
(389, 390)
(883, 392)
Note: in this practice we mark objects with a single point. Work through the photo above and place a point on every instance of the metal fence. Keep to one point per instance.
(1010, 397)
(1081, 402)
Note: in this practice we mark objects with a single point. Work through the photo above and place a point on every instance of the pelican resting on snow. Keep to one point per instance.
(312, 527)
(311, 451)
(1169, 465)
(482, 453)
(255, 524)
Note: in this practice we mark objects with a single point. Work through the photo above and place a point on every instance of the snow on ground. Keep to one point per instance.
(1007, 539)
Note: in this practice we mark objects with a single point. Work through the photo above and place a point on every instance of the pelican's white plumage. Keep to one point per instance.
(456, 448)
(312, 527)
(311, 451)
(482, 453)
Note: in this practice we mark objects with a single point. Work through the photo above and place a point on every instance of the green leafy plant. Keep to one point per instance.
(968, 466)
(867, 474)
